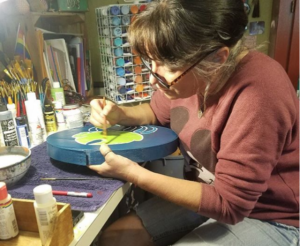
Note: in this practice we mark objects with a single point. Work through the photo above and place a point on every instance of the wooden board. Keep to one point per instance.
(81, 145)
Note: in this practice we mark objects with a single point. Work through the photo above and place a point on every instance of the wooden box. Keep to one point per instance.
(63, 233)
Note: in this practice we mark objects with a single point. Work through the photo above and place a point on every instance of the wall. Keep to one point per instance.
(266, 16)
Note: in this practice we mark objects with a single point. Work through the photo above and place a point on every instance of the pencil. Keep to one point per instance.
(104, 125)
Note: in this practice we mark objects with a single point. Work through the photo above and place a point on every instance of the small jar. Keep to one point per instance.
(72, 115)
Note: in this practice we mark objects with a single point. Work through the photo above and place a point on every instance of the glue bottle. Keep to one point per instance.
(11, 107)
(9, 227)
(45, 210)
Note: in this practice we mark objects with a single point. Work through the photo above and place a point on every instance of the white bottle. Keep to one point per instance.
(46, 210)
(12, 108)
(9, 227)
(60, 119)
(35, 113)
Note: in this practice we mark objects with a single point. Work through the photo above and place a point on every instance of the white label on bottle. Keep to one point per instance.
(8, 223)
(23, 137)
(46, 218)
(9, 132)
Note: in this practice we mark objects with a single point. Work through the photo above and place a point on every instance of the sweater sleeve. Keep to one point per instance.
(258, 121)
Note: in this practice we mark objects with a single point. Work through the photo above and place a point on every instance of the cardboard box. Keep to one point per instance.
(63, 233)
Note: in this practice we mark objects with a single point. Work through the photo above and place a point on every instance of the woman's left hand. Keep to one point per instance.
(114, 166)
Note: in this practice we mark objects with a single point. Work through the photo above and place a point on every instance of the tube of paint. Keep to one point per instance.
(22, 131)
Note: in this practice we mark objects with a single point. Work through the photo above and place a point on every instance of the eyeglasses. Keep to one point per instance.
(161, 80)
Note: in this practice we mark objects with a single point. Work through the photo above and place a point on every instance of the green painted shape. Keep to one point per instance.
(113, 137)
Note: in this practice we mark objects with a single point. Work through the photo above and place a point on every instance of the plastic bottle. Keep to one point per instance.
(22, 131)
(9, 227)
(8, 133)
(57, 93)
(35, 117)
(73, 116)
(46, 211)
(50, 119)
(61, 124)
(12, 107)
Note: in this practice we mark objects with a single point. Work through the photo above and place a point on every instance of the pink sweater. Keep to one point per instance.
(246, 146)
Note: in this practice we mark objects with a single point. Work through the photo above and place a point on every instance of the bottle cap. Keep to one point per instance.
(118, 52)
(43, 194)
(9, 100)
(3, 107)
(118, 41)
(48, 108)
(117, 31)
(115, 21)
(120, 71)
(31, 96)
(20, 121)
(70, 106)
(57, 104)
(56, 85)
(115, 10)
(120, 62)
(125, 9)
(125, 20)
(3, 191)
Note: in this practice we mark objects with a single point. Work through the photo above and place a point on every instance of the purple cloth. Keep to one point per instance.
(42, 166)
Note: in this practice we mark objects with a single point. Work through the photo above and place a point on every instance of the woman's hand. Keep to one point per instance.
(115, 166)
(111, 112)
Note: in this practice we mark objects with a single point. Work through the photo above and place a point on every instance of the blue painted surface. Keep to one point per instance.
(157, 142)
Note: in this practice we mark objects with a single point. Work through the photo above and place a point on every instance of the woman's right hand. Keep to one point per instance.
(111, 113)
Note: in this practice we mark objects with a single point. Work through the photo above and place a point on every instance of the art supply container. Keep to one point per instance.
(35, 118)
(8, 133)
(60, 120)
(57, 93)
(22, 131)
(50, 119)
(46, 211)
(9, 227)
(73, 116)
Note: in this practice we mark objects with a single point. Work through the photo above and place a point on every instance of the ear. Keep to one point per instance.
(221, 55)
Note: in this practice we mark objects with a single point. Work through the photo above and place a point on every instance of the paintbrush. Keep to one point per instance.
(51, 179)
(104, 125)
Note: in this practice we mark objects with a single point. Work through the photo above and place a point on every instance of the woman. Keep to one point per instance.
(237, 116)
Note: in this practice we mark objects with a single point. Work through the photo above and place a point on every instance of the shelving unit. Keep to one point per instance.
(56, 22)
(125, 78)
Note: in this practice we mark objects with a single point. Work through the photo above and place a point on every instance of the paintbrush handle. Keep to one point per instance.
(72, 178)
(104, 125)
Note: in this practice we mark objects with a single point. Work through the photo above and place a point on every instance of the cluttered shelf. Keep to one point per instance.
(35, 30)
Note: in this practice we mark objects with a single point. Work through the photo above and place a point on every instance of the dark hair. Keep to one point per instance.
(178, 32)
